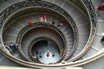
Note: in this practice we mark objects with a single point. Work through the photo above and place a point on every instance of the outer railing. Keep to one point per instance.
(10, 11)
(92, 15)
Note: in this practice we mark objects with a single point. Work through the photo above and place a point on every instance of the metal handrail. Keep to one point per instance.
(92, 16)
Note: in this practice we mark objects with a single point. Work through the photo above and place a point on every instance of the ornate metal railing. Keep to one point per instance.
(13, 9)
(92, 15)
(91, 10)
(92, 19)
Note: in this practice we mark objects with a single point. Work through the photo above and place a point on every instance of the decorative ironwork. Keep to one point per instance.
(92, 13)
(40, 4)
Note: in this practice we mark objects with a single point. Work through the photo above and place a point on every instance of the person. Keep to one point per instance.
(53, 21)
(60, 25)
(36, 52)
(40, 55)
(100, 7)
(29, 21)
(41, 19)
(102, 41)
(45, 19)
(61, 51)
(48, 54)
(8, 48)
(53, 55)
(35, 58)
(12, 47)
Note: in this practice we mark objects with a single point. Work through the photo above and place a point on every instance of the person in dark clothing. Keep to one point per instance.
(60, 25)
(13, 47)
(102, 39)
(36, 52)
(53, 21)
(53, 55)
(40, 55)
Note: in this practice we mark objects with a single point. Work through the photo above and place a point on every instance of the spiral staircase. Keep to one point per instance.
(71, 35)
